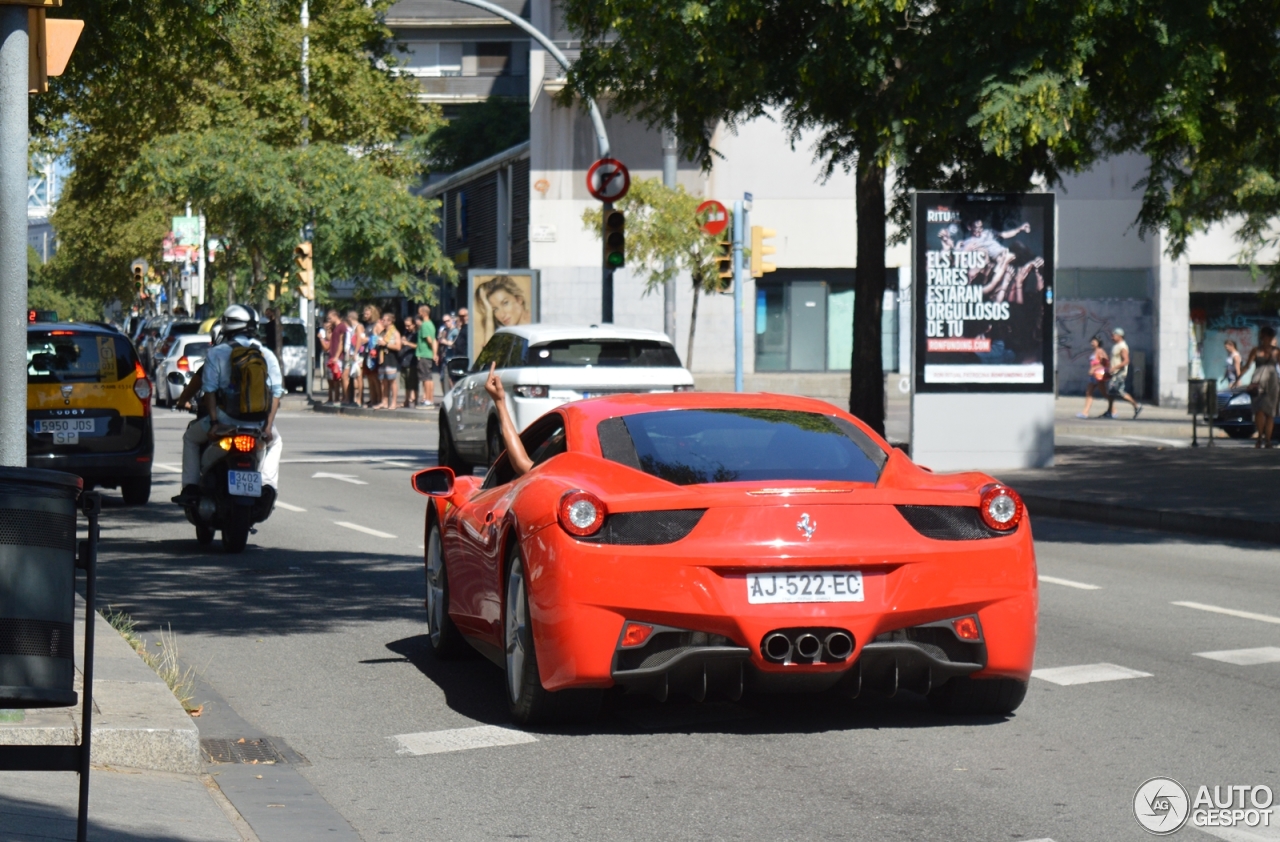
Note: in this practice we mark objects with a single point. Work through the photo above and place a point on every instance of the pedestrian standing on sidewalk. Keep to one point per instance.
(354, 377)
(1119, 373)
(444, 345)
(388, 360)
(408, 358)
(1265, 385)
(460, 338)
(333, 338)
(372, 318)
(1234, 367)
(1098, 364)
(426, 355)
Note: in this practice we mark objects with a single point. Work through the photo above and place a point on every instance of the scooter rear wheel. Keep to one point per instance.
(204, 535)
(235, 532)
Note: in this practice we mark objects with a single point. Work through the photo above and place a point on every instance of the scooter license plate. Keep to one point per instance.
(244, 483)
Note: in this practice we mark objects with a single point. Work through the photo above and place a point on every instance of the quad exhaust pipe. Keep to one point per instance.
(814, 645)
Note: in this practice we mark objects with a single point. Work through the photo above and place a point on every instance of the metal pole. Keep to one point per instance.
(92, 505)
(306, 70)
(738, 212)
(13, 236)
(669, 162)
(602, 139)
(606, 278)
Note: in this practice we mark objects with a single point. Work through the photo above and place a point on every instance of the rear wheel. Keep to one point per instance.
(979, 696)
(136, 492)
(530, 702)
(446, 641)
(447, 456)
(235, 532)
(204, 534)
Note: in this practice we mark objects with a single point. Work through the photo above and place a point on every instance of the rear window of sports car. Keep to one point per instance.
(695, 446)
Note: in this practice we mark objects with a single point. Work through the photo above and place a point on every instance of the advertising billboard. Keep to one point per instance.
(499, 298)
(983, 265)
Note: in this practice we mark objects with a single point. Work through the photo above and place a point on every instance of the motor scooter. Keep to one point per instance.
(232, 497)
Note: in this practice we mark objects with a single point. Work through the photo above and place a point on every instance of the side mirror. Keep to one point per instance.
(458, 367)
(433, 482)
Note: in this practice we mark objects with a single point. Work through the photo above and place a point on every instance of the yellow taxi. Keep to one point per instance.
(89, 407)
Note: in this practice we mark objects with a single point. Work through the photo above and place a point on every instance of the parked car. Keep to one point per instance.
(293, 354)
(185, 357)
(1235, 415)
(543, 366)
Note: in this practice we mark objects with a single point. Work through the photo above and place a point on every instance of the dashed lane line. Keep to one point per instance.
(1054, 580)
(459, 739)
(366, 530)
(340, 477)
(1231, 612)
(1087, 674)
(1245, 657)
(289, 507)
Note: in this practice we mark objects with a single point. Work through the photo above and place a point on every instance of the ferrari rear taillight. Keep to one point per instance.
(966, 628)
(581, 513)
(1001, 507)
(635, 634)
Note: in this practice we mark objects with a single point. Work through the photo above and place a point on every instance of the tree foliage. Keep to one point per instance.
(176, 81)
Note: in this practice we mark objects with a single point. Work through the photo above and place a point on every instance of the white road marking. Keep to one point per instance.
(1243, 834)
(460, 739)
(1245, 657)
(392, 463)
(1054, 580)
(289, 507)
(1087, 674)
(1231, 612)
(343, 477)
(166, 467)
(366, 530)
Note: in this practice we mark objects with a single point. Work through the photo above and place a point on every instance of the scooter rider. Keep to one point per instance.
(239, 329)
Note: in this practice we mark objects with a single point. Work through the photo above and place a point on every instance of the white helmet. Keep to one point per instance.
(215, 334)
(239, 318)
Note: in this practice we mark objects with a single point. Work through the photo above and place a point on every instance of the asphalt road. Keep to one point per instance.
(316, 636)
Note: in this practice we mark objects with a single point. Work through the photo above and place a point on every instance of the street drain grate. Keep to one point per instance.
(255, 751)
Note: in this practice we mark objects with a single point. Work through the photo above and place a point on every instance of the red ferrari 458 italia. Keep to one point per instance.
(705, 544)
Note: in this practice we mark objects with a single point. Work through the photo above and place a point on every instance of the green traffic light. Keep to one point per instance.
(614, 259)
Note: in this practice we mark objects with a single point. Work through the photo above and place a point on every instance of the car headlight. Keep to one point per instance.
(1240, 400)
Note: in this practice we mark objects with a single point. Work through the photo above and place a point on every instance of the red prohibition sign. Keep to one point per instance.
(608, 180)
(715, 216)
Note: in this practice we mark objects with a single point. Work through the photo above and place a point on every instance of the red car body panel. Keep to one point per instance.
(582, 593)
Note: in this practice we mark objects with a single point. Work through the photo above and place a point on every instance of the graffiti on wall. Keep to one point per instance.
(1080, 321)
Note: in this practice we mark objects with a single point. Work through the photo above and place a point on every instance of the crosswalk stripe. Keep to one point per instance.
(1054, 580)
(366, 530)
(1087, 674)
(1245, 657)
(459, 739)
(1231, 612)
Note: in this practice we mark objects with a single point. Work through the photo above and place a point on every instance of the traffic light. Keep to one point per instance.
(759, 250)
(140, 279)
(306, 275)
(615, 239)
(724, 265)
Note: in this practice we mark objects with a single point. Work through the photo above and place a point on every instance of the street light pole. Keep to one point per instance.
(14, 86)
(669, 163)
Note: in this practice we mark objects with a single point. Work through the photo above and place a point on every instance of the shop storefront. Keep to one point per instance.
(1227, 303)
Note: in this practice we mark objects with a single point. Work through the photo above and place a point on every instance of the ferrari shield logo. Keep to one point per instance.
(806, 525)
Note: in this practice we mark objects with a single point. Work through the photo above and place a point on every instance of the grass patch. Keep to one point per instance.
(165, 662)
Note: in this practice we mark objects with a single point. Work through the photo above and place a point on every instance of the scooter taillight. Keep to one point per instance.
(244, 444)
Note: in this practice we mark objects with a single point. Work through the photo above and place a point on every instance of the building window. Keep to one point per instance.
(805, 322)
(1079, 284)
(493, 58)
(434, 58)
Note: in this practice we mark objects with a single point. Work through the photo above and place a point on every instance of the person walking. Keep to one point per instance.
(408, 359)
(1265, 385)
(1098, 364)
(426, 354)
(388, 344)
(1233, 366)
(1119, 373)
(460, 338)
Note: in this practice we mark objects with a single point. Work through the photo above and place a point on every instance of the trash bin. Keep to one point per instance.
(37, 587)
(1202, 397)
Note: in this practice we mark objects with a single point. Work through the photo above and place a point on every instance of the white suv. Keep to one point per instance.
(543, 366)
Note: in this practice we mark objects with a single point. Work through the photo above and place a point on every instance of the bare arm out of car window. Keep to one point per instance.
(520, 461)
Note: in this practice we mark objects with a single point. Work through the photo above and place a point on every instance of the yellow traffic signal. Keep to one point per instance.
(724, 265)
(759, 250)
(140, 279)
(615, 240)
(305, 275)
(49, 45)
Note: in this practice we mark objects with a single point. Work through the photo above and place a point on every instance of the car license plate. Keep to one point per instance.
(66, 425)
(244, 483)
(804, 586)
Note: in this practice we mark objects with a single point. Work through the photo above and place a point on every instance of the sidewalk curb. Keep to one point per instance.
(1182, 523)
(137, 721)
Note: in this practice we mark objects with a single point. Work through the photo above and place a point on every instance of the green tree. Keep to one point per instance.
(919, 87)
(478, 131)
(150, 70)
(664, 238)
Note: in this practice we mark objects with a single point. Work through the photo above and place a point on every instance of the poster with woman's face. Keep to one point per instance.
(500, 299)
